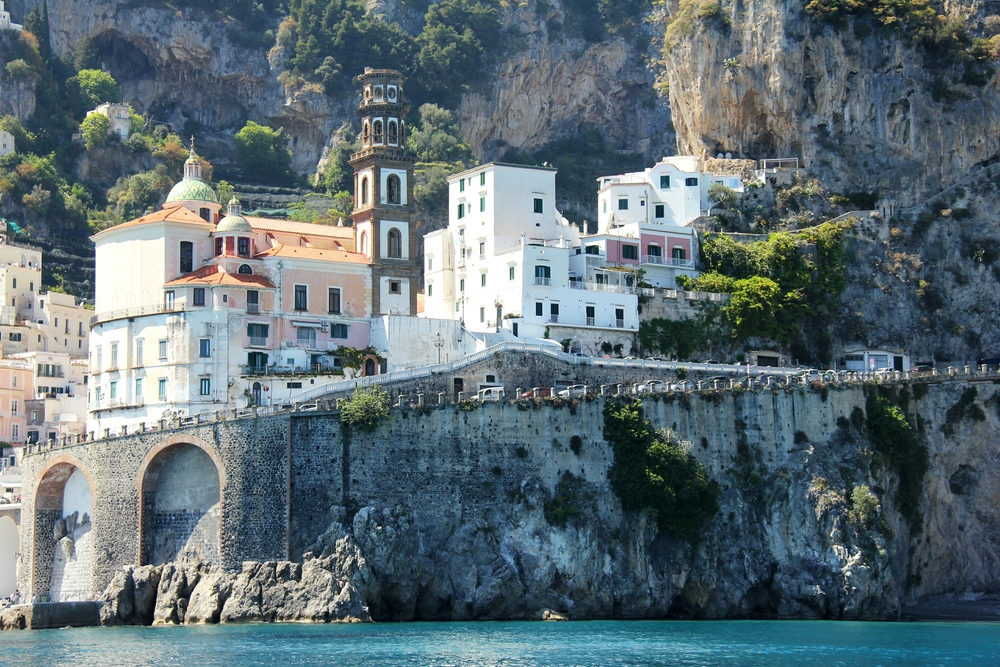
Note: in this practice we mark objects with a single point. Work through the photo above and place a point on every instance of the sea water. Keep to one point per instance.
(510, 644)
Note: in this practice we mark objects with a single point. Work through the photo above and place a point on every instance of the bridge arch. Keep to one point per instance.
(180, 487)
(62, 531)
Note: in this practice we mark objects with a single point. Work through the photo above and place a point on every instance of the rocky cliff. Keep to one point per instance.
(809, 527)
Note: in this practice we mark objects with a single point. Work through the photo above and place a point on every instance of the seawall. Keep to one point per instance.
(441, 513)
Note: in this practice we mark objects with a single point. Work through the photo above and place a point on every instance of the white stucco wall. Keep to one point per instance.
(9, 545)
(76, 496)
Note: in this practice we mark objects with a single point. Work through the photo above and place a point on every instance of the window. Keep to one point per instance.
(245, 270)
(461, 211)
(539, 208)
(113, 393)
(80, 331)
(630, 252)
(456, 306)
(301, 300)
(482, 204)
(377, 126)
(395, 244)
(658, 211)
(338, 331)
(394, 287)
(31, 287)
(163, 351)
(482, 249)
(393, 134)
(664, 182)
(364, 190)
(205, 347)
(15, 283)
(623, 204)
(306, 337)
(205, 386)
(34, 415)
(482, 280)
(333, 300)
(100, 357)
(257, 333)
(482, 314)
(66, 326)
(199, 296)
(114, 355)
(138, 351)
(554, 312)
(593, 250)
(168, 300)
(653, 250)
(15, 431)
(619, 317)
(604, 206)
(430, 289)
(430, 263)
(679, 253)
(138, 387)
(538, 308)
(243, 247)
(15, 337)
(461, 285)
(482, 178)
(161, 389)
(364, 243)
(392, 193)
(543, 275)
(461, 185)
(510, 270)
(218, 246)
(690, 181)
(590, 315)
(187, 257)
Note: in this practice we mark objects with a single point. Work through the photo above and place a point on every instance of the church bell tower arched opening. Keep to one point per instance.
(383, 185)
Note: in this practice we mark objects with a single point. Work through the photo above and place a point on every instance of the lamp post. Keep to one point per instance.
(438, 343)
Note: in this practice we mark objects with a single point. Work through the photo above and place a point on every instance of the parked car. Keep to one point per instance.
(683, 385)
(540, 392)
(723, 381)
(923, 368)
(573, 390)
(811, 375)
(652, 386)
(490, 394)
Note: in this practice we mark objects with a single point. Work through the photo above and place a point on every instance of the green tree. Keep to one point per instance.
(722, 196)
(96, 129)
(97, 87)
(438, 138)
(19, 70)
(226, 192)
(262, 152)
(85, 56)
(753, 309)
(366, 409)
(339, 175)
(23, 141)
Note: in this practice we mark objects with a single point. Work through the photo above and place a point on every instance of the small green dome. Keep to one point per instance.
(192, 189)
(233, 223)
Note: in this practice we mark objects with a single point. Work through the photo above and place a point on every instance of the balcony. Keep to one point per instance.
(601, 287)
(253, 370)
(590, 321)
(620, 323)
(543, 281)
(253, 309)
(553, 319)
(668, 261)
(135, 312)
(258, 341)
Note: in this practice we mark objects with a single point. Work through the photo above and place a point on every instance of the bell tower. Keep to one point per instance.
(383, 193)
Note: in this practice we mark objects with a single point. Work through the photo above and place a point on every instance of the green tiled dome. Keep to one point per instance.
(192, 189)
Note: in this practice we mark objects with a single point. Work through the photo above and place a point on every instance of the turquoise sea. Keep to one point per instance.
(576, 644)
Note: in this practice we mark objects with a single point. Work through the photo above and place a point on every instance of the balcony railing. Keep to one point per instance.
(553, 319)
(620, 323)
(543, 281)
(258, 341)
(253, 309)
(668, 261)
(134, 312)
(254, 370)
(590, 321)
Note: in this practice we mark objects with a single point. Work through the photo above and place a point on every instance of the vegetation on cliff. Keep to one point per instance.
(653, 473)
(899, 448)
(366, 409)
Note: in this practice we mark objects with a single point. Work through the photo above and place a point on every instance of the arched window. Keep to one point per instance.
(392, 189)
(393, 132)
(395, 244)
(245, 270)
(365, 133)
(218, 246)
(364, 243)
(364, 190)
(377, 132)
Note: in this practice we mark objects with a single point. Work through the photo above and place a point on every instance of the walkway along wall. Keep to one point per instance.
(448, 506)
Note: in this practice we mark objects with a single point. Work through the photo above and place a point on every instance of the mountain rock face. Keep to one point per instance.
(858, 105)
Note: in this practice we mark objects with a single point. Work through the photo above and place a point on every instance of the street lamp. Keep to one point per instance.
(438, 343)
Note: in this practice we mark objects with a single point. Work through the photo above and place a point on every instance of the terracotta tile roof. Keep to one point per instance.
(283, 250)
(169, 213)
(210, 275)
(307, 228)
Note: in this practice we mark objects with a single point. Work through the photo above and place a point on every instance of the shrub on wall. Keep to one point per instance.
(652, 473)
(368, 408)
(895, 440)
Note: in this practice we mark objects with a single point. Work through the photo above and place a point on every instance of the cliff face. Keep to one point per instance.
(860, 110)
(496, 513)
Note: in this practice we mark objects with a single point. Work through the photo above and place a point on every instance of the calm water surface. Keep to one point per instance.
(580, 644)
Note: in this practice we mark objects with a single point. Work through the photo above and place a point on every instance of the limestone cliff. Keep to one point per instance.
(859, 105)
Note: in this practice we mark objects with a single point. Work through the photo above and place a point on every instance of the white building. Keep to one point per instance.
(5, 22)
(59, 405)
(503, 264)
(644, 221)
(6, 142)
(118, 115)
